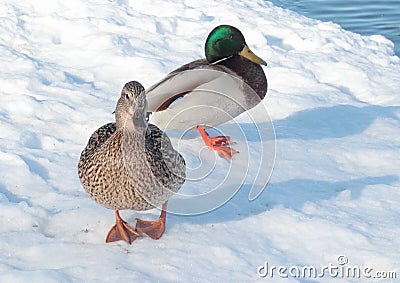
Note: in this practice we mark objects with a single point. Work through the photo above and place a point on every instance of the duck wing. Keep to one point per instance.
(199, 93)
(167, 164)
(195, 75)
(98, 138)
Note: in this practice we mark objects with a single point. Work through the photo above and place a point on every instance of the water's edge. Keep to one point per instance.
(364, 17)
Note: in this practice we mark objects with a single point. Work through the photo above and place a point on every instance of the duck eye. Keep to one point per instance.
(126, 96)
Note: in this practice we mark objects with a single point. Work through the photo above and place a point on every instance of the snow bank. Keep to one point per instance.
(333, 99)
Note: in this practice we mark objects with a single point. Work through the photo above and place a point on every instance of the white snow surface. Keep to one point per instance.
(333, 99)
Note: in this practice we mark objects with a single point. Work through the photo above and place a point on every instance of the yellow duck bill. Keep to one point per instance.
(248, 54)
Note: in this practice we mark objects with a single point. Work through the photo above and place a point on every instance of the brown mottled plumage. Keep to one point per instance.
(130, 164)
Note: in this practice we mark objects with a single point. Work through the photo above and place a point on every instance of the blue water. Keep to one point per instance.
(365, 17)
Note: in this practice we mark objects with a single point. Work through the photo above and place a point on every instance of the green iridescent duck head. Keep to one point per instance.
(225, 41)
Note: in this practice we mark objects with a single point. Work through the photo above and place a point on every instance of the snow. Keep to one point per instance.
(333, 100)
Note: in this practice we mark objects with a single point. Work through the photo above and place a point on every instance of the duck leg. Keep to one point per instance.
(218, 143)
(121, 231)
(153, 229)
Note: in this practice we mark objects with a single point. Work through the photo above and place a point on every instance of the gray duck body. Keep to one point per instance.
(209, 92)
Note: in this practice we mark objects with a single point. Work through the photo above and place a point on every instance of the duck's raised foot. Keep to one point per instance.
(121, 231)
(218, 143)
(221, 140)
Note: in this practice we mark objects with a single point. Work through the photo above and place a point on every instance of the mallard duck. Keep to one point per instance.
(208, 92)
(131, 164)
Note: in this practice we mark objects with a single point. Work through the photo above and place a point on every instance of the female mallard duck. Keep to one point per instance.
(131, 165)
(208, 92)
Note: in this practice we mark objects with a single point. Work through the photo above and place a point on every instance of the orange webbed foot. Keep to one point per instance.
(218, 143)
(121, 231)
(154, 229)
